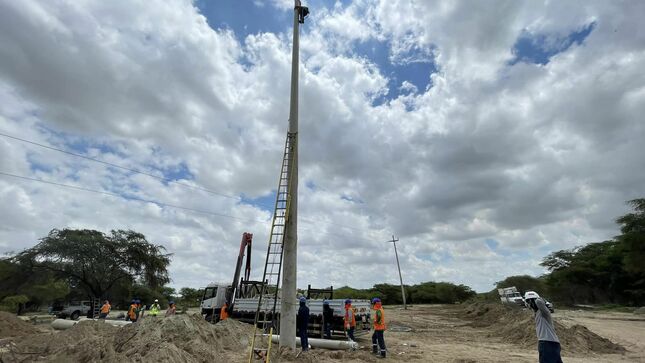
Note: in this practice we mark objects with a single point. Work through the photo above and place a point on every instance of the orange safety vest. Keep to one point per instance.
(105, 308)
(132, 312)
(379, 323)
(223, 313)
(350, 316)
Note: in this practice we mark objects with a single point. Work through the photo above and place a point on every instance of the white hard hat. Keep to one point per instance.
(531, 295)
(156, 300)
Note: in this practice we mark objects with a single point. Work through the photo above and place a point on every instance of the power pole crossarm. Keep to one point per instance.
(394, 241)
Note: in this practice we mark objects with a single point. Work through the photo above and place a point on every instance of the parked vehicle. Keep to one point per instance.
(75, 309)
(510, 295)
(243, 295)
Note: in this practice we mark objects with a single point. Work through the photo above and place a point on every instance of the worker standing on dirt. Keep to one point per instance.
(328, 317)
(548, 342)
(132, 312)
(172, 309)
(105, 310)
(379, 328)
(303, 323)
(155, 308)
(349, 319)
(139, 310)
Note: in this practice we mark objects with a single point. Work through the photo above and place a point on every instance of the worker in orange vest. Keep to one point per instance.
(349, 319)
(105, 310)
(132, 311)
(379, 328)
(223, 313)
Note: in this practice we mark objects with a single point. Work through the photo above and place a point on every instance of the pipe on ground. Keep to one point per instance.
(323, 343)
(62, 324)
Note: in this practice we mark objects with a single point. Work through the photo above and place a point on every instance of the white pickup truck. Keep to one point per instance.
(75, 309)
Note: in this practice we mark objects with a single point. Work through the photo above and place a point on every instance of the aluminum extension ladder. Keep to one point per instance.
(266, 320)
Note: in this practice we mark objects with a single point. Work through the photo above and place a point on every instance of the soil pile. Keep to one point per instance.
(181, 338)
(12, 326)
(517, 325)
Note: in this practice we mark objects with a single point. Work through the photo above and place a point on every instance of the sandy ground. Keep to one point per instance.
(439, 334)
(428, 333)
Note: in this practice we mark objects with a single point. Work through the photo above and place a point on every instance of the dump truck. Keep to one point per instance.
(242, 295)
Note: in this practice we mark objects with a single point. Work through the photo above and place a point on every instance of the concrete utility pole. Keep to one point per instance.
(394, 241)
(290, 249)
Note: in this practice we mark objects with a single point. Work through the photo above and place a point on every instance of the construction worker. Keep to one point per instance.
(223, 313)
(328, 317)
(139, 310)
(548, 342)
(349, 320)
(105, 310)
(379, 327)
(132, 312)
(155, 308)
(172, 309)
(303, 323)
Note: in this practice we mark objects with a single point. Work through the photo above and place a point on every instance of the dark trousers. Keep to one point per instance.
(549, 352)
(350, 333)
(304, 340)
(327, 330)
(377, 337)
(103, 315)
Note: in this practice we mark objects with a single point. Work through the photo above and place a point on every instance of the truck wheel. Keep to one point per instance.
(209, 318)
(75, 315)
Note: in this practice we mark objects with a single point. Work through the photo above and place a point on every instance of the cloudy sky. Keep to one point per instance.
(484, 135)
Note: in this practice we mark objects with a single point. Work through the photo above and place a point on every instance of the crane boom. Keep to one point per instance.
(247, 239)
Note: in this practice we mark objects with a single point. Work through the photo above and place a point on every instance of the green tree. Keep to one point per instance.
(95, 262)
(190, 297)
(14, 303)
(632, 226)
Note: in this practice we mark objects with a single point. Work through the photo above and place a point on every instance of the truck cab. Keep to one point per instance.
(213, 299)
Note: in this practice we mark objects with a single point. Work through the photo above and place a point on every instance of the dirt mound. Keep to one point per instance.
(181, 338)
(640, 310)
(517, 326)
(12, 326)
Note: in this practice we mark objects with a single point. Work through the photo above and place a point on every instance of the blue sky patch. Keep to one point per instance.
(539, 48)
(244, 17)
(266, 202)
(177, 172)
(415, 72)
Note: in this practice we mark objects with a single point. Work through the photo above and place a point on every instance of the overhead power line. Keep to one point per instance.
(169, 205)
(126, 198)
(167, 180)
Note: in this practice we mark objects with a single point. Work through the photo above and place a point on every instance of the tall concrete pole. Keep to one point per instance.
(289, 302)
(394, 241)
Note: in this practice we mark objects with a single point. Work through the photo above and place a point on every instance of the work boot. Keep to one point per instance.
(374, 349)
(383, 354)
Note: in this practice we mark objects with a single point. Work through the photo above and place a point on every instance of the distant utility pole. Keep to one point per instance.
(394, 241)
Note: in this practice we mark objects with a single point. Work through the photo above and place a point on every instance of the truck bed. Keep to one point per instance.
(315, 306)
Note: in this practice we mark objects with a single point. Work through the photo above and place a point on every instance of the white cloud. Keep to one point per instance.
(537, 158)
